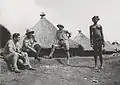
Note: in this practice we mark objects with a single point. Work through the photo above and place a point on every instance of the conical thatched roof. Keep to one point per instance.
(116, 45)
(83, 41)
(109, 47)
(5, 35)
(45, 33)
(74, 44)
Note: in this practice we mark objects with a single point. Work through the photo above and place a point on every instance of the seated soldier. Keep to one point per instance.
(13, 56)
(30, 46)
(62, 37)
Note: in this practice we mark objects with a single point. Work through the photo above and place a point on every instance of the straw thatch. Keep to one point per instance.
(45, 33)
(5, 35)
(83, 41)
(74, 44)
(109, 47)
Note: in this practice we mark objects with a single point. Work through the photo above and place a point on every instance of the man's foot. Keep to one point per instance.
(50, 57)
(17, 71)
(101, 67)
(68, 62)
(38, 59)
(30, 68)
(95, 67)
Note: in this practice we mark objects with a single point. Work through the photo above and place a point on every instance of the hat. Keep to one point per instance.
(96, 17)
(59, 25)
(29, 31)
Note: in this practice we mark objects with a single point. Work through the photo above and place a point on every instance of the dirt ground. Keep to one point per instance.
(53, 72)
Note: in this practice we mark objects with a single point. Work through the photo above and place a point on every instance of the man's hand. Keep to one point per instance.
(92, 45)
(103, 45)
(20, 54)
(69, 35)
(34, 50)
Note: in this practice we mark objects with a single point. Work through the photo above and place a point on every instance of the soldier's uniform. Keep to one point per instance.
(11, 50)
(32, 43)
(63, 39)
(29, 42)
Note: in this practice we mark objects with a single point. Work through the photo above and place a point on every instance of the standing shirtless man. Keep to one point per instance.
(97, 40)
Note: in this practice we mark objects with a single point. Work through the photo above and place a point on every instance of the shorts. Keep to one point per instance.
(64, 44)
(8, 57)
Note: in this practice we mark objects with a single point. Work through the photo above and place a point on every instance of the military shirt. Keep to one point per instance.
(29, 42)
(62, 35)
(11, 47)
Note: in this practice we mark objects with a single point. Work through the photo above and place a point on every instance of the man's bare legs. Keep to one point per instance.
(37, 47)
(52, 51)
(95, 58)
(26, 61)
(101, 60)
(68, 57)
(12, 60)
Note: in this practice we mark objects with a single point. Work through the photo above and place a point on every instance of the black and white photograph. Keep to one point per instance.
(59, 42)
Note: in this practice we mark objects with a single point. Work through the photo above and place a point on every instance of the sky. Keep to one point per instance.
(19, 15)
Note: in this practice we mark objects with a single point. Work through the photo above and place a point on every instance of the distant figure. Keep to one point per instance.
(117, 53)
(13, 56)
(97, 40)
(30, 45)
(62, 37)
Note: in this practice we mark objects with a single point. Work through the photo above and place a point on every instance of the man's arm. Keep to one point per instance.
(69, 34)
(18, 48)
(34, 38)
(10, 47)
(91, 35)
(102, 34)
(27, 46)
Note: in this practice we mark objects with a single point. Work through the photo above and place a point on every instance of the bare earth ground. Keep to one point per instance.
(51, 72)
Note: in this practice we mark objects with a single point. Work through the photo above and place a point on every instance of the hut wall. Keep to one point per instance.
(5, 35)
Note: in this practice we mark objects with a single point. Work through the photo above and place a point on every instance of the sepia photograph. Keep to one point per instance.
(59, 42)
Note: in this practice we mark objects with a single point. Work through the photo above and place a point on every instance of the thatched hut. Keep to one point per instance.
(109, 48)
(5, 35)
(83, 40)
(116, 46)
(85, 43)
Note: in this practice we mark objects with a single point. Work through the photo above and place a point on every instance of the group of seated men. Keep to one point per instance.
(15, 56)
